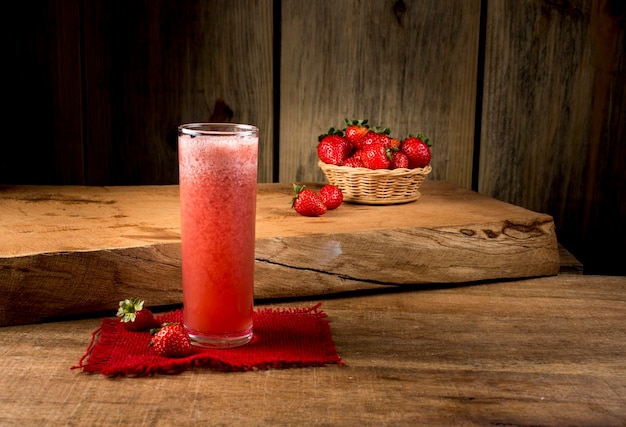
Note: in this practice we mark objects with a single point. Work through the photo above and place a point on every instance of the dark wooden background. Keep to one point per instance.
(524, 99)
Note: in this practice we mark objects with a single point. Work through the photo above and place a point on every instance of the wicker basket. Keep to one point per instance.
(376, 187)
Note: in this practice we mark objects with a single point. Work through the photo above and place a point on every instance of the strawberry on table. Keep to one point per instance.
(307, 202)
(331, 196)
(333, 148)
(417, 149)
(171, 340)
(134, 316)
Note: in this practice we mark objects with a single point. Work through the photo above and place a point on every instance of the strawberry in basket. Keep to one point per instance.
(334, 148)
(362, 146)
(371, 166)
(417, 149)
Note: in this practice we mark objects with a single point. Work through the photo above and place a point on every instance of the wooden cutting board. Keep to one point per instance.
(72, 250)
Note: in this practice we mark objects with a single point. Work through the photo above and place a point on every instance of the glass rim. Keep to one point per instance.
(195, 129)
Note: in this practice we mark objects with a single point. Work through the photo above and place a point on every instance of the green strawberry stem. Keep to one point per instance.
(128, 309)
(424, 138)
(296, 189)
(331, 131)
(381, 130)
(357, 122)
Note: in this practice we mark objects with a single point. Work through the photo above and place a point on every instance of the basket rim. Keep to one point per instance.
(380, 172)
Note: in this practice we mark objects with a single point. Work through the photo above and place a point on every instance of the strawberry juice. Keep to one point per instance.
(218, 186)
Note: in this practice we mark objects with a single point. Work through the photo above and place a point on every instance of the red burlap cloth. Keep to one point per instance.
(283, 338)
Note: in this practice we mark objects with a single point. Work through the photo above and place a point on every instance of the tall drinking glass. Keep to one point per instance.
(218, 186)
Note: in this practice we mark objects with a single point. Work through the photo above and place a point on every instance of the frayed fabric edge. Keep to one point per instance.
(93, 363)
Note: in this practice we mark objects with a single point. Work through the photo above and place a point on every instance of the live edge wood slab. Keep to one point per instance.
(70, 250)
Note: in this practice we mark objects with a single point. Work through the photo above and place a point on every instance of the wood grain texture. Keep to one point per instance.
(101, 86)
(177, 63)
(553, 119)
(41, 94)
(237, 68)
(380, 61)
(449, 235)
(72, 250)
(545, 118)
(546, 351)
(605, 190)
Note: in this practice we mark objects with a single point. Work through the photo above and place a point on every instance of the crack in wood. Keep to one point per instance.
(326, 273)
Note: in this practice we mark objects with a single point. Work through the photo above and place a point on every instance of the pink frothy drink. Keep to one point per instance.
(218, 186)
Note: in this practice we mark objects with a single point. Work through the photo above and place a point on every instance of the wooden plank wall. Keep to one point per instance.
(553, 128)
(42, 94)
(182, 62)
(106, 83)
(383, 61)
(524, 99)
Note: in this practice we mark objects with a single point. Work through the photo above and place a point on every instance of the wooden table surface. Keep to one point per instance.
(544, 351)
(60, 244)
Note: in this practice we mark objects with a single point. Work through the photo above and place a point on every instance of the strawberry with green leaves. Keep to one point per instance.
(307, 202)
(331, 196)
(377, 135)
(333, 148)
(171, 340)
(355, 131)
(399, 160)
(393, 144)
(417, 149)
(134, 316)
